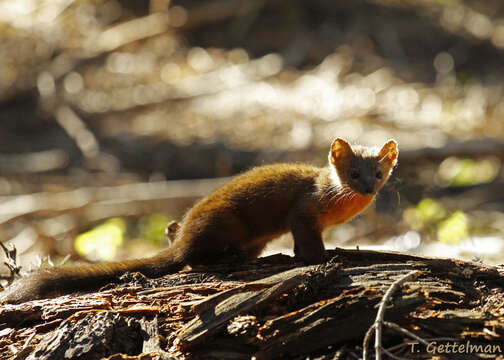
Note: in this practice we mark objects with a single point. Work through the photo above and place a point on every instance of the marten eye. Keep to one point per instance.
(354, 174)
(379, 174)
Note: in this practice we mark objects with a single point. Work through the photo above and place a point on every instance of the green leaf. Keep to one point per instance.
(429, 210)
(102, 242)
(152, 228)
(453, 229)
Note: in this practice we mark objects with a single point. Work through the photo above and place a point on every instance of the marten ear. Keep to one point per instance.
(389, 152)
(340, 151)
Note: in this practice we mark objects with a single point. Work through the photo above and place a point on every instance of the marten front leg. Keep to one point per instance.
(308, 242)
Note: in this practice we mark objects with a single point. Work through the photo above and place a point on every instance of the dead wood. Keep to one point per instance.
(272, 307)
(15, 206)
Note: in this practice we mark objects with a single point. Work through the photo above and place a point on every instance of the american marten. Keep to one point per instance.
(238, 219)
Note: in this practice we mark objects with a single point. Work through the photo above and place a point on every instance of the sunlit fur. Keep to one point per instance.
(345, 197)
(241, 217)
(366, 161)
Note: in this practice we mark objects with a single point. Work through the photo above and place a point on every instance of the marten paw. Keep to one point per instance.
(171, 230)
(312, 258)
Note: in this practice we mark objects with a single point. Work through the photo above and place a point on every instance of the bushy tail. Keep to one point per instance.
(61, 280)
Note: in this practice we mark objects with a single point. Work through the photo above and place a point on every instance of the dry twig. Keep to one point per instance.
(378, 324)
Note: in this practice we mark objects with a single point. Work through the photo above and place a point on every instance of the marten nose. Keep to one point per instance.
(368, 190)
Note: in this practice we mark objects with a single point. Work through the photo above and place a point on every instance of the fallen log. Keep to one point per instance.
(273, 308)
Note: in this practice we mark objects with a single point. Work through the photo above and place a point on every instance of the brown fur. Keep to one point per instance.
(241, 217)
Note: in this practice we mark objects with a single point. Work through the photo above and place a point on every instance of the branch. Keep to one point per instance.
(377, 326)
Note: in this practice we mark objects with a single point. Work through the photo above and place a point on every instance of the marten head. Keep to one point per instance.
(363, 169)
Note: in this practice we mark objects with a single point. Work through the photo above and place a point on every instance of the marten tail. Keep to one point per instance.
(61, 280)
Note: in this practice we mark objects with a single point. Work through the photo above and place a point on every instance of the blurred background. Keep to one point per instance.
(115, 116)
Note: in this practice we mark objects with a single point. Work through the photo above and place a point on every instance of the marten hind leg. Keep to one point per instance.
(230, 254)
(254, 251)
(225, 239)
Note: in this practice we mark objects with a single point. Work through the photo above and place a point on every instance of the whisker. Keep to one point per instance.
(345, 194)
(337, 195)
(329, 192)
